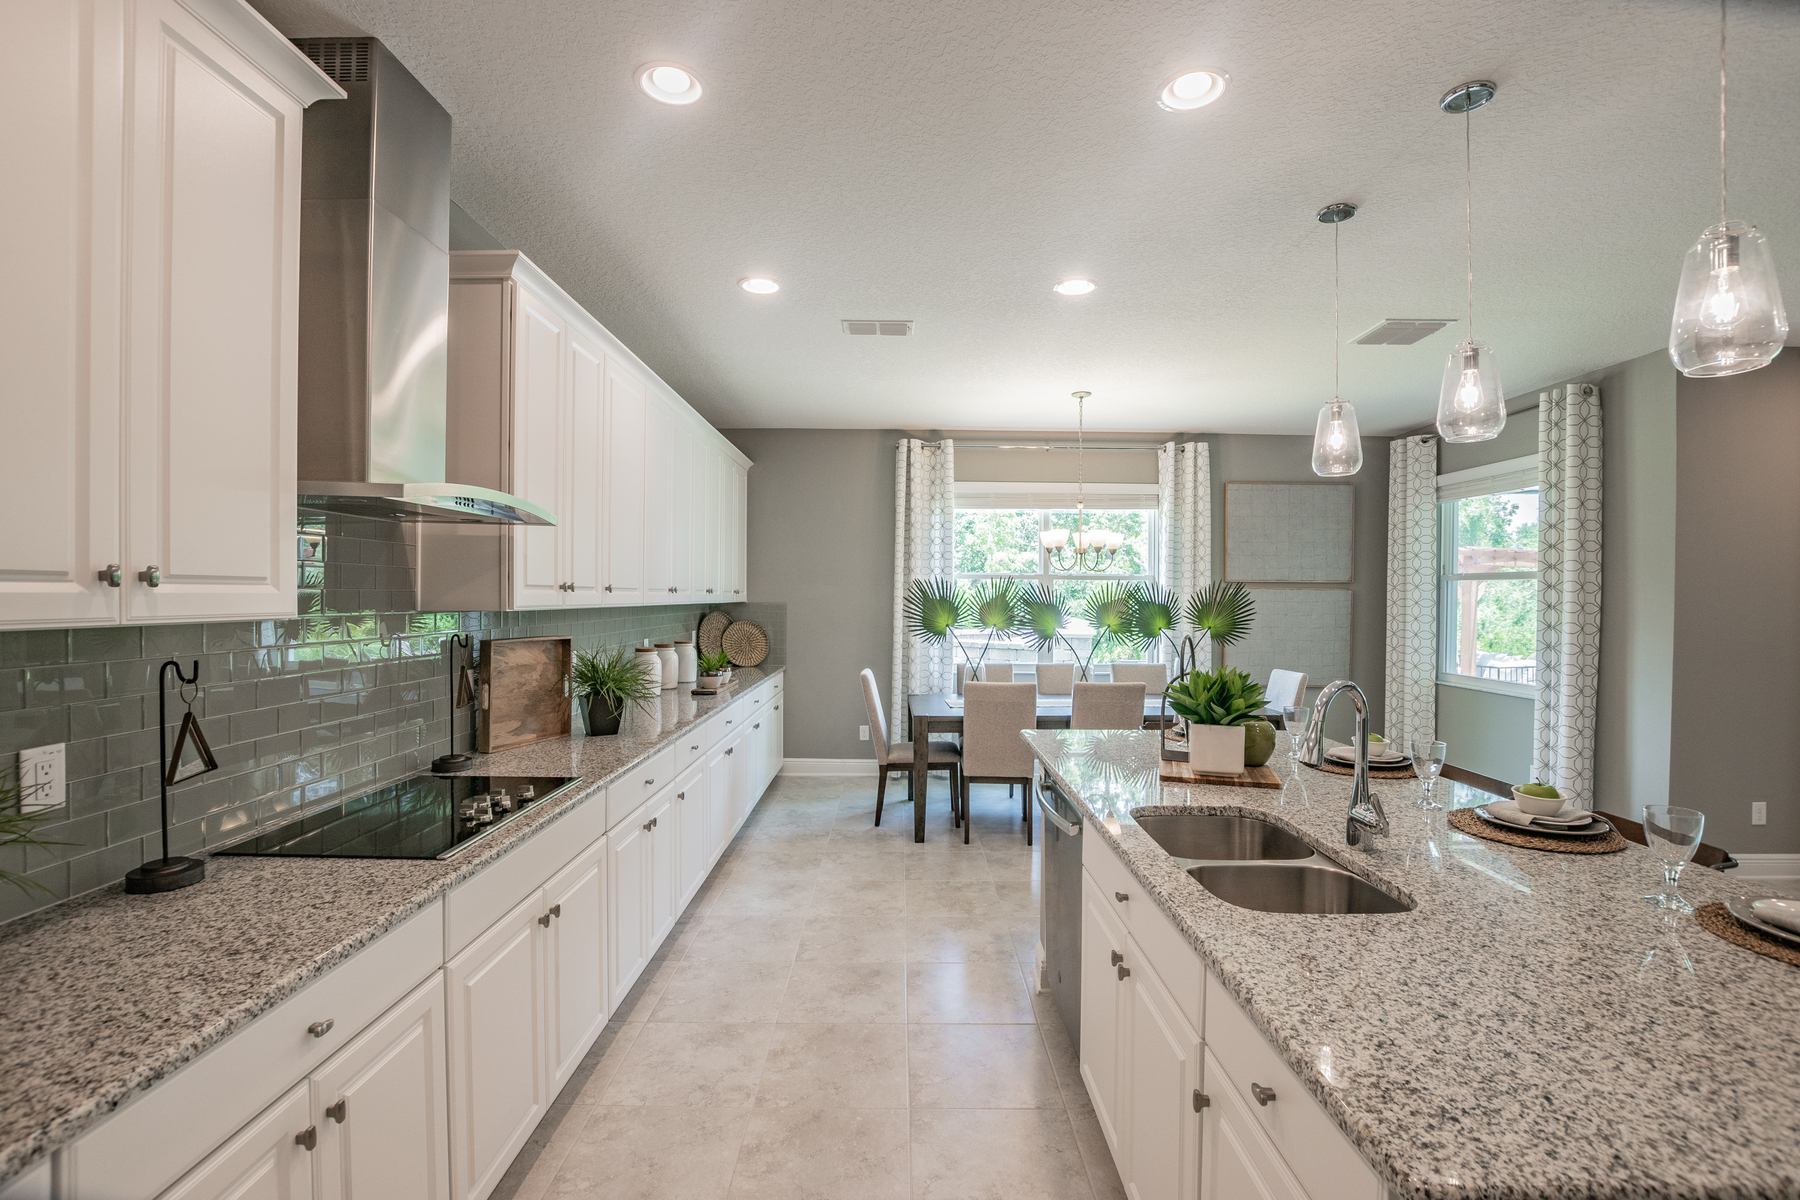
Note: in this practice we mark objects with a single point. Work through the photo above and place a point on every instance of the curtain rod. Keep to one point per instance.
(974, 446)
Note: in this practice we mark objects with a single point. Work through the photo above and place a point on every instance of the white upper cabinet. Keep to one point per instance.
(579, 517)
(539, 425)
(153, 364)
(659, 501)
(625, 489)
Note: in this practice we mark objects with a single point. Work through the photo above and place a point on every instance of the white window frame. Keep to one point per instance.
(1046, 498)
(1509, 475)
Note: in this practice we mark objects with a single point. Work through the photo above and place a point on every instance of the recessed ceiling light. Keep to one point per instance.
(1074, 287)
(762, 287)
(669, 83)
(1192, 89)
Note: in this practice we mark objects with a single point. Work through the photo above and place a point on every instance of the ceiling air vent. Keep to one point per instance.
(1402, 331)
(343, 61)
(879, 328)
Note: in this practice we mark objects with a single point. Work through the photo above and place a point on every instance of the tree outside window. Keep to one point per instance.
(1488, 572)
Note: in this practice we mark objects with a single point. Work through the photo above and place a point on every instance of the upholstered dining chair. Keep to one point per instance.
(1286, 690)
(1154, 676)
(1107, 706)
(1055, 679)
(993, 751)
(898, 756)
(997, 673)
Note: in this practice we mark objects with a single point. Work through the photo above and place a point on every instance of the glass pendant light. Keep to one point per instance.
(1728, 313)
(1337, 446)
(1471, 404)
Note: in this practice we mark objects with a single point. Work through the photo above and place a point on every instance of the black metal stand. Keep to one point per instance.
(166, 874)
(449, 764)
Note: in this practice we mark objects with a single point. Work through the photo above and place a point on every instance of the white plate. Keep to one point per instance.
(1348, 758)
(1598, 828)
(1778, 910)
(1509, 810)
(1740, 908)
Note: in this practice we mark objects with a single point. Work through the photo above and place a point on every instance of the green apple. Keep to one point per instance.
(1543, 790)
(1376, 737)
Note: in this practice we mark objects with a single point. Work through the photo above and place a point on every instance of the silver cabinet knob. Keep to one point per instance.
(1262, 1094)
(1124, 972)
(556, 910)
(544, 920)
(339, 1111)
(151, 575)
(1201, 1100)
(758, 725)
(1117, 958)
(709, 591)
(112, 576)
(649, 783)
(732, 749)
(309, 1138)
(320, 1028)
(1121, 897)
(609, 587)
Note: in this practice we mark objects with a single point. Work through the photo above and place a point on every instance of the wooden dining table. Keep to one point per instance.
(941, 712)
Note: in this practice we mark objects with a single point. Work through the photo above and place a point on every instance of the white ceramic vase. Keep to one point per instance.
(671, 667)
(652, 664)
(1216, 749)
(686, 662)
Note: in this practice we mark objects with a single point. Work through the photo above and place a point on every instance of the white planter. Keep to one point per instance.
(1216, 749)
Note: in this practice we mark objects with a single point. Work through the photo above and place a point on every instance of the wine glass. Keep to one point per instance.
(1295, 718)
(1674, 833)
(1428, 762)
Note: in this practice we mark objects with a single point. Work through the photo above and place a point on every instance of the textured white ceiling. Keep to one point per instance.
(947, 162)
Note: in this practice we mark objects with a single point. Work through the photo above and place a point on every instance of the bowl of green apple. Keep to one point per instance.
(1538, 799)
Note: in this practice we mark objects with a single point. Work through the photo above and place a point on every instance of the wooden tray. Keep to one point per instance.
(1253, 777)
(523, 691)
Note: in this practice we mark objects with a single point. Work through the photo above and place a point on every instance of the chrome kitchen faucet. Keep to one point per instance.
(1365, 806)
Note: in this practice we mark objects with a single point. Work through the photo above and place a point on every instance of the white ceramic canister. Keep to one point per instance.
(671, 669)
(652, 664)
(686, 662)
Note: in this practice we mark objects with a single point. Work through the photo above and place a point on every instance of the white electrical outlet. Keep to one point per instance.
(1759, 813)
(41, 775)
(862, 733)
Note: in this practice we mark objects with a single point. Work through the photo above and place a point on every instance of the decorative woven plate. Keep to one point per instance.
(1465, 821)
(1715, 919)
(712, 630)
(746, 642)
(1375, 772)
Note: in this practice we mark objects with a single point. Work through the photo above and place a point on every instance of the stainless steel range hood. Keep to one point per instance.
(375, 300)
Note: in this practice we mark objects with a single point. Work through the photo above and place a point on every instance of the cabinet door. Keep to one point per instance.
(739, 531)
(59, 335)
(379, 1107)
(724, 502)
(659, 503)
(581, 520)
(211, 311)
(739, 755)
(1162, 1148)
(496, 1040)
(718, 802)
(628, 895)
(625, 486)
(539, 422)
(682, 509)
(574, 954)
(1105, 1014)
(692, 856)
(263, 1162)
(1237, 1161)
(706, 523)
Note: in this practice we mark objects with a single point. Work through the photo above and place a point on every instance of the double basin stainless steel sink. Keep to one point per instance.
(1254, 864)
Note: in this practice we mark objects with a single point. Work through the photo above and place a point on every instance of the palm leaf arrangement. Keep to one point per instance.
(1223, 612)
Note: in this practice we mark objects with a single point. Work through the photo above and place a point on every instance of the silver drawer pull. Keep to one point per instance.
(649, 783)
(321, 1028)
(1121, 897)
(112, 576)
(339, 1111)
(729, 751)
(1262, 1094)
(1124, 972)
(151, 576)
(544, 920)
(1201, 1100)
(556, 910)
(1117, 958)
(309, 1138)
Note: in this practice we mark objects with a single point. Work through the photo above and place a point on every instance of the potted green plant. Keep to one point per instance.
(608, 680)
(714, 670)
(1217, 705)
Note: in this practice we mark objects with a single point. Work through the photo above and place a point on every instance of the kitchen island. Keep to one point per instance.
(1531, 1028)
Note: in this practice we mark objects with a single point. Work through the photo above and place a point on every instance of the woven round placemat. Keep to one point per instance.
(1716, 919)
(712, 631)
(1375, 772)
(1467, 822)
(746, 642)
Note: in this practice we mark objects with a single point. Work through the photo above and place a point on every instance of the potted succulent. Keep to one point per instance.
(608, 680)
(1217, 706)
(714, 671)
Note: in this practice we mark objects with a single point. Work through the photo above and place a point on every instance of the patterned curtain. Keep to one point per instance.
(924, 537)
(1184, 517)
(1412, 590)
(1568, 640)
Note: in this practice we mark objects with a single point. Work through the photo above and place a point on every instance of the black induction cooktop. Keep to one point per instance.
(421, 816)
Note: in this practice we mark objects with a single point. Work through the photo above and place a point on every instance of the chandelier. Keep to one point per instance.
(1081, 549)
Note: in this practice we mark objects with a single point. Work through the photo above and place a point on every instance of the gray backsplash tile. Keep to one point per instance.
(352, 693)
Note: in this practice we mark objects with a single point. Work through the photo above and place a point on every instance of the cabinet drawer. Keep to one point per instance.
(476, 903)
(732, 720)
(148, 1143)
(696, 741)
(1313, 1147)
(1176, 963)
(1111, 877)
(637, 784)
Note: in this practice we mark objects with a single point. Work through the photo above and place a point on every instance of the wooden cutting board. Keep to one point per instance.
(1253, 777)
(523, 691)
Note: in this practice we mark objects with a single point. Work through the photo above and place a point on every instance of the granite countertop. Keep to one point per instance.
(1532, 1029)
(107, 993)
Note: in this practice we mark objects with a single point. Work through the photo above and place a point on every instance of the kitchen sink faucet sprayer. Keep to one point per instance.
(1365, 806)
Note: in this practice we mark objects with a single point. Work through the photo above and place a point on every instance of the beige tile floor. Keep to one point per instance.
(840, 1013)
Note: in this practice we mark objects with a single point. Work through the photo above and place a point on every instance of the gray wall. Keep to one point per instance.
(1737, 589)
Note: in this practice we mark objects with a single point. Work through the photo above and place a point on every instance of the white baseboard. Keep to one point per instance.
(1766, 866)
(828, 766)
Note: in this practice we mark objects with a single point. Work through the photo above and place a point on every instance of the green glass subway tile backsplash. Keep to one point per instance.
(351, 693)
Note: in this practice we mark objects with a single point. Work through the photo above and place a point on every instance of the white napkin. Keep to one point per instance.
(1510, 812)
(1776, 911)
(1347, 755)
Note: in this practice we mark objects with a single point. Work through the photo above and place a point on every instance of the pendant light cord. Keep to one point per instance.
(1336, 324)
(1469, 202)
(1080, 470)
(1721, 112)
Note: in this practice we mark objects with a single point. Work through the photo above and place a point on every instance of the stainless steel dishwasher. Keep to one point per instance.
(1060, 919)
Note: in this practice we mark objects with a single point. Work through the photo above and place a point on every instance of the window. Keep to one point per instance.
(1004, 543)
(1487, 578)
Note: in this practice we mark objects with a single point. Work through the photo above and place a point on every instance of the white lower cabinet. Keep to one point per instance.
(692, 849)
(575, 900)
(1236, 1159)
(718, 800)
(268, 1160)
(1164, 1051)
(497, 1087)
(379, 1108)
(628, 895)
(1103, 1011)
(665, 884)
